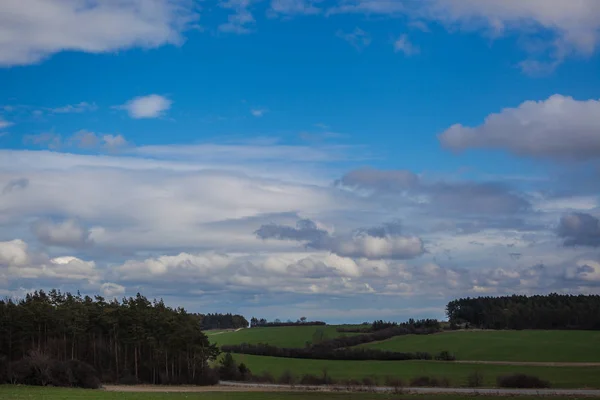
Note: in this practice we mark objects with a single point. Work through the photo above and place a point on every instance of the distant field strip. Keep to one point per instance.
(8, 392)
(457, 373)
(285, 336)
(518, 346)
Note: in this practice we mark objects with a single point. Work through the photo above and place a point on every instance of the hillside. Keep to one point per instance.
(529, 345)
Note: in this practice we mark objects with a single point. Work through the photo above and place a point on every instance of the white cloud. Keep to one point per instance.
(5, 124)
(293, 7)
(403, 44)
(259, 112)
(574, 26)
(36, 29)
(112, 289)
(371, 247)
(241, 21)
(559, 127)
(13, 253)
(151, 106)
(68, 233)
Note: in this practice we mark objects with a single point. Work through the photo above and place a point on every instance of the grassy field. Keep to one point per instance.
(285, 336)
(24, 392)
(542, 346)
(560, 377)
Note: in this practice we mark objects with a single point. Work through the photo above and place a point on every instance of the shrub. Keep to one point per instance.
(522, 381)
(394, 382)
(475, 379)
(209, 377)
(445, 356)
(245, 372)
(428, 381)
(264, 377)
(287, 378)
(84, 375)
(368, 381)
(3, 370)
(228, 370)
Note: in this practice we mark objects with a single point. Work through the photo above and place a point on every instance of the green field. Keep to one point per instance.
(560, 377)
(285, 336)
(542, 346)
(45, 393)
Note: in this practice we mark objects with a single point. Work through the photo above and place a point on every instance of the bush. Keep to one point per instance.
(228, 370)
(265, 377)
(369, 381)
(3, 370)
(522, 381)
(209, 377)
(428, 381)
(84, 375)
(394, 382)
(445, 356)
(245, 372)
(475, 379)
(39, 370)
(287, 378)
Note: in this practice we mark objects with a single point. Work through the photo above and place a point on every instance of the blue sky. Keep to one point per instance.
(341, 159)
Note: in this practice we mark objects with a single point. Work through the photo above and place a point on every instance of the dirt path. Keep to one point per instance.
(533, 363)
(259, 387)
(188, 389)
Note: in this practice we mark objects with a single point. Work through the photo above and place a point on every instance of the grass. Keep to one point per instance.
(285, 336)
(43, 393)
(542, 346)
(560, 377)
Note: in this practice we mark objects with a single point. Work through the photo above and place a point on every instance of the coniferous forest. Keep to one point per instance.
(553, 311)
(134, 340)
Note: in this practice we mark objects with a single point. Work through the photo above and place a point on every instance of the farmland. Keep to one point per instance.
(560, 377)
(528, 345)
(286, 336)
(48, 393)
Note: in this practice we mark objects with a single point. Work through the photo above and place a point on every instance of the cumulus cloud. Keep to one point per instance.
(559, 127)
(109, 289)
(382, 242)
(358, 38)
(18, 262)
(36, 29)
(584, 271)
(67, 233)
(150, 106)
(404, 45)
(580, 229)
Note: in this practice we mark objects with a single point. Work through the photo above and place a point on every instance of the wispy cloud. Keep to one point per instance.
(404, 45)
(74, 108)
(358, 38)
(241, 20)
(4, 124)
(259, 112)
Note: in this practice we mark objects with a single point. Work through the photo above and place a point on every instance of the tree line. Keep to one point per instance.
(320, 353)
(263, 323)
(553, 311)
(222, 321)
(378, 325)
(132, 340)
